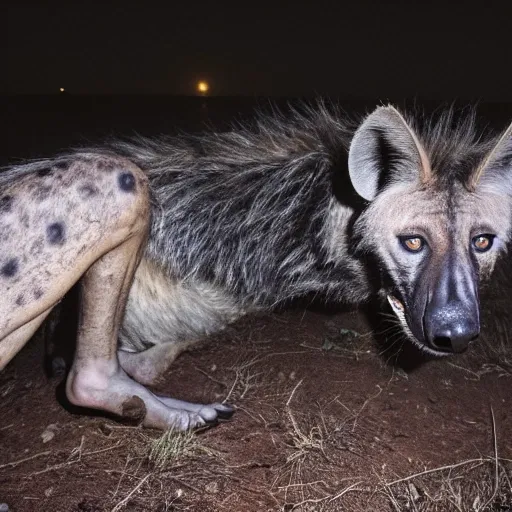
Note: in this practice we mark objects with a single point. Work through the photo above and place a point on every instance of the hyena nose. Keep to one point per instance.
(452, 334)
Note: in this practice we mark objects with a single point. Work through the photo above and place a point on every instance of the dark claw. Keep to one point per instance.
(208, 424)
(225, 414)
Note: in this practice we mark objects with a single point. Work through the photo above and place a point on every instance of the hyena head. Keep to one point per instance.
(439, 216)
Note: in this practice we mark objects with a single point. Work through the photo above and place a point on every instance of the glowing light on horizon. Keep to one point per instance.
(203, 87)
(61, 89)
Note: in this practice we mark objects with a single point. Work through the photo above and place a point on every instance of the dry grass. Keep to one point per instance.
(476, 485)
(174, 446)
(245, 379)
(313, 468)
(471, 485)
(306, 437)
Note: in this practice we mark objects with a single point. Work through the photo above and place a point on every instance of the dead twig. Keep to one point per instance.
(125, 500)
(207, 375)
(328, 499)
(436, 470)
(71, 462)
(293, 392)
(21, 461)
(366, 402)
(496, 463)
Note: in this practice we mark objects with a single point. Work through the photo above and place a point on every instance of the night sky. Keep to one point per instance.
(445, 50)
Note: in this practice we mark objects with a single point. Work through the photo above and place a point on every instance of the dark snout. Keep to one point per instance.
(451, 328)
(452, 315)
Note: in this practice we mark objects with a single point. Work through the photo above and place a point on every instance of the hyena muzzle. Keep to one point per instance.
(173, 238)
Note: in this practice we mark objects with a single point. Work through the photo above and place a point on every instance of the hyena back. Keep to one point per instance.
(184, 235)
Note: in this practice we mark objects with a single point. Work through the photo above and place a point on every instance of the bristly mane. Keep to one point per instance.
(250, 209)
(455, 145)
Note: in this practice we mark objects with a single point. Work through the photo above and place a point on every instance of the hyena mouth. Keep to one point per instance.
(399, 309)
(397, 306)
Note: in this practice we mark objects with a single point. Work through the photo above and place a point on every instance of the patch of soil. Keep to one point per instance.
(322, 423)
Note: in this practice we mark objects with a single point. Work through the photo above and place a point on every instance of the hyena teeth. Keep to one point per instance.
(396, 305)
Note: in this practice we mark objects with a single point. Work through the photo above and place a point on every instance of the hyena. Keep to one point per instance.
(173, 238)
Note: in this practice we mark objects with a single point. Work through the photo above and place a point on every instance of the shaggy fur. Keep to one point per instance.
(252, 218)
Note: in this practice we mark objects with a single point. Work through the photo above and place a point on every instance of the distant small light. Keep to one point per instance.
(203, 87)
(62, 89)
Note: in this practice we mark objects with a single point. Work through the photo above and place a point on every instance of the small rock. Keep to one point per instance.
(49, 433)
(212, 487)
(4, 507)
(415, 495)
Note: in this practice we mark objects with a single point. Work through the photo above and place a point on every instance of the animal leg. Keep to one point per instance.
(57, 218)
(96, 379)
(88, 220)
(148, 366)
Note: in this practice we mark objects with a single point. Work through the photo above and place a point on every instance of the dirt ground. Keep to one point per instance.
(323, 421)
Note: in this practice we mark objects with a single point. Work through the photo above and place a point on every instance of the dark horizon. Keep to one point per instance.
(40, 125)
(350, 49)
(468, 100)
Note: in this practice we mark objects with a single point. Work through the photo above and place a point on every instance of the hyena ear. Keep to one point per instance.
(385, 148)
(496, 167)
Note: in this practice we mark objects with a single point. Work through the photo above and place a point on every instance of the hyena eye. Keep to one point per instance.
(482, 243)
(412, 243)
